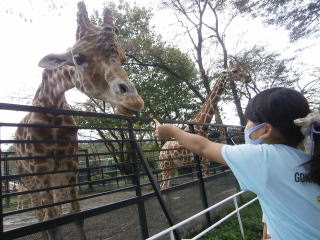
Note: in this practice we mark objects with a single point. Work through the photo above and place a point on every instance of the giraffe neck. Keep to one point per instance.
(53, 86)
(206, 112)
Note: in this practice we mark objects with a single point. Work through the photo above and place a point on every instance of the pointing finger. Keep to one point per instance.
(157, 122)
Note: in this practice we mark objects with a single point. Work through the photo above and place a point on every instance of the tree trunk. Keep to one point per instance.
(237, 102)
(217, 115)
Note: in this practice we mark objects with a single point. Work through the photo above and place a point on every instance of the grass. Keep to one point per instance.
(251, 220)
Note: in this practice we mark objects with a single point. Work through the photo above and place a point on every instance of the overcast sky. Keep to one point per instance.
(25, 42)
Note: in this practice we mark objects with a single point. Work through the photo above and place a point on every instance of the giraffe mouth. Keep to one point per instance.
(130, 104)
(126, 111)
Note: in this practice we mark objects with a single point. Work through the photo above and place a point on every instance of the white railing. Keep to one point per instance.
(236, 211)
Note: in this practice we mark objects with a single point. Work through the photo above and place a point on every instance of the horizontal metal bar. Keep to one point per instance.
(75, 127)
(15, 176)
(61, 141)
(194, 182)
(94, 182)
(26, 108)
(63, 156)
(5, 214)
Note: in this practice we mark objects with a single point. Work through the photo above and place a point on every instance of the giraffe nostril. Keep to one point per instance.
(123, 88)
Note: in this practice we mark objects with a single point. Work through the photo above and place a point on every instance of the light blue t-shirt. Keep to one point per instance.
(290, 202)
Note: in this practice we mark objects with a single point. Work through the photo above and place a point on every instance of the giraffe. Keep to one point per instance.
(172, 154)
(94, 66)
(21, 197)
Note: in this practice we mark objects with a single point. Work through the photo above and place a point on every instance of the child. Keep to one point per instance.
(285, 179)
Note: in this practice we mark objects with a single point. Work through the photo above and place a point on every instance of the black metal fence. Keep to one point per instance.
(117, 154)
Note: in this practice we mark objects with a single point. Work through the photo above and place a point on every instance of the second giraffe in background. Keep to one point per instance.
(174, 155)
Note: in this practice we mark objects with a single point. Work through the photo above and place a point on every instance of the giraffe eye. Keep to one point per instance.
(79, 59)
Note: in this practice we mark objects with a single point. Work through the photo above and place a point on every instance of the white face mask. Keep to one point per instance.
(247, 134)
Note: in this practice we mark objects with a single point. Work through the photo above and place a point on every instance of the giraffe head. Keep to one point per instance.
(97, 61)
(235, 73)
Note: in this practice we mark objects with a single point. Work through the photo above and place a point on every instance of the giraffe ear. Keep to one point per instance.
(53, 61)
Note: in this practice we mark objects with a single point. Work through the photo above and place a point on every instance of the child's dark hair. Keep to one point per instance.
(280, 107)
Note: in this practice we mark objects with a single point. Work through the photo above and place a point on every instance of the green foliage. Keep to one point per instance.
(251, 219)
(163, 82)
(301, 18)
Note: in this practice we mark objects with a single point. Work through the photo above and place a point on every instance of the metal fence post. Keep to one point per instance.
(236, 181)
(88, 167)
(239, 217)
(202, 187)
(1, 208)
(172, 236)
(136, 182)
(6, 169)
(157, 190)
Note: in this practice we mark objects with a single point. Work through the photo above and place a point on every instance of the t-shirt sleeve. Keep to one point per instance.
(249, 164)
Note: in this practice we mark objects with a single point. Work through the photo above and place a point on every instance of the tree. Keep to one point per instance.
(267, 70)
(311, 88)
(197, 17)
(300, 17)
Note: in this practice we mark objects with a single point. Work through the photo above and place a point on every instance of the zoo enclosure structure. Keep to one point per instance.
(117, 154)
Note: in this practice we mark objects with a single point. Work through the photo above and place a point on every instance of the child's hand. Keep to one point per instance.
(164, 131)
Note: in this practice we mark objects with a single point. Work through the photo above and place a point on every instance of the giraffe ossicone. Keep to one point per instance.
(94, 66)
(174, 155)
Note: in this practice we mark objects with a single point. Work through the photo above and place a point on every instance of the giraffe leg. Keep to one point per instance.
(59, 194)
(44, 182)
(47, 197)
(166, 175)
(35, 198)
(75, 205)
(165, 183)
(73, 194)
(205, 166)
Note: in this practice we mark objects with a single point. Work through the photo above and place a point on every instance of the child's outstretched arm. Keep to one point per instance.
(195, 143)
